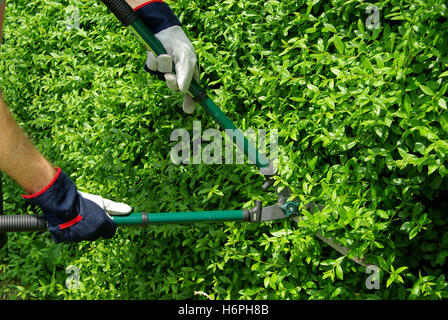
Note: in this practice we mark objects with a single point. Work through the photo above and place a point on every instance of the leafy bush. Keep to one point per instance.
(362, 120)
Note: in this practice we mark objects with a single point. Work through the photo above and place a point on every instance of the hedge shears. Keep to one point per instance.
(284, 208)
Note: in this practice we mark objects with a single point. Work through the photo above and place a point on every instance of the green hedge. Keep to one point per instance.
(362, 120)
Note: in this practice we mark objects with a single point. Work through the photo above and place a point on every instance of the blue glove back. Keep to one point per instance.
(157, 16)
(70, 217)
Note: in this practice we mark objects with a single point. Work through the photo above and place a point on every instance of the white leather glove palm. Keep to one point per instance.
(180, 50)
(111, 208)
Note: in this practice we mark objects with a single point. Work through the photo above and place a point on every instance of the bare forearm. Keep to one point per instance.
(19, 159)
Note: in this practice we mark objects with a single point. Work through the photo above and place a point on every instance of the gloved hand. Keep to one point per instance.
(164, 24)
(74, 216)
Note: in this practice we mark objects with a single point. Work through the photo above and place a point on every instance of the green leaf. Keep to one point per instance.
(413, 233)
(339, 272)
(382, 214)
(401, 269)
(334, 195)
(330, 173)
(408, 157)
(338, 44)
(444, 74)
(443, 119)
(426, 90)
(329, 27)
(432, 167)
(266, 282)
(360, 24)
(390, 280)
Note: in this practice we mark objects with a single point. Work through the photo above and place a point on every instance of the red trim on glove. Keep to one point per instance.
(71, 222)
(144, 4)
(30, 196)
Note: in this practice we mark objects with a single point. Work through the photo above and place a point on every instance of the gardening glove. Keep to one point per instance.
(74, 216)
(166, 27)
